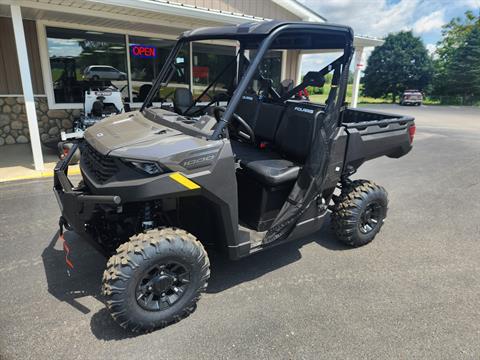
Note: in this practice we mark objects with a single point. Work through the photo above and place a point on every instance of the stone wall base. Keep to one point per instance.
(14, 124)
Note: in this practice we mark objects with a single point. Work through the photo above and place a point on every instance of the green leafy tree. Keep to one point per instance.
(457, 58)
(464, 71)
(401, 63)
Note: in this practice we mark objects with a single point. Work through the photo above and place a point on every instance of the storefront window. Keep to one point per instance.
(209, 63)
(147, 57)
(82, 60)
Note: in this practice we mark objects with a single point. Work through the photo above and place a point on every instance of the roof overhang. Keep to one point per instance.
(177, 9)
(300, 10)
(367, 41)
(151, 16)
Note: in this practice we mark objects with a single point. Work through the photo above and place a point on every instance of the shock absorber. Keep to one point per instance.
(147, 217)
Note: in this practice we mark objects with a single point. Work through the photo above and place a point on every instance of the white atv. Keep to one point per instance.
(98, 105)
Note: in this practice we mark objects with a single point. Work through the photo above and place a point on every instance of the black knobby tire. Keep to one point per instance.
(359, 212)
(129, 272)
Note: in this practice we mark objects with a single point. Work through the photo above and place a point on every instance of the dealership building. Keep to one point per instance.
(51, 50)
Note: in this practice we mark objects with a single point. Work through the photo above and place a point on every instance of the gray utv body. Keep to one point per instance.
(235, 196)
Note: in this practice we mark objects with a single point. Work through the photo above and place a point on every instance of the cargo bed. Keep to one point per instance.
(372, 134)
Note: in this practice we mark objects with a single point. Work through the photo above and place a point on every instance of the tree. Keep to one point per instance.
(401, 63)
(457, 58)
(464, 70)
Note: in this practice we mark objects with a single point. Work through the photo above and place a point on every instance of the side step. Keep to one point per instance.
(256, 237)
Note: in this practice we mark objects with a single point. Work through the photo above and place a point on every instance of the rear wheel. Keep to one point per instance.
(359, 212)
(155, 279)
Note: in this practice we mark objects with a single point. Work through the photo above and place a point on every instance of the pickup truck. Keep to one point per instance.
(162, 184)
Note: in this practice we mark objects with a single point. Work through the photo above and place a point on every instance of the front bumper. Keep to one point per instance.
(412, 101)
(77, 205)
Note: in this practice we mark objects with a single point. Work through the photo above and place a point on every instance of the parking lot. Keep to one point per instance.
(412, 293)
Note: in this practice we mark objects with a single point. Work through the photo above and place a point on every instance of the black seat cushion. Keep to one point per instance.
(249, 152)
(265, 165)
(273, 172)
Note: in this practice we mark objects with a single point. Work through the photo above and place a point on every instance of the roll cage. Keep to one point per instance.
(262, 37)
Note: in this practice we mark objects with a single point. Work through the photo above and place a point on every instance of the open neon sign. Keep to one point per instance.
(141, 51)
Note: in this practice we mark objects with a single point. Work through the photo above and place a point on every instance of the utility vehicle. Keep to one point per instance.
(162, 184)
(100, 102)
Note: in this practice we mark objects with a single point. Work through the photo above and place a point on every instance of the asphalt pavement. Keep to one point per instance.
(414, 293)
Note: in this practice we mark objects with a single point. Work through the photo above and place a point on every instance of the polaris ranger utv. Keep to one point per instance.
(161, 184)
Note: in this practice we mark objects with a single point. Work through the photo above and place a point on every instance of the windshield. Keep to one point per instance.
(200, 76)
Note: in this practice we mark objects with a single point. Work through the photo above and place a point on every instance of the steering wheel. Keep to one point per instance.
(218, 110)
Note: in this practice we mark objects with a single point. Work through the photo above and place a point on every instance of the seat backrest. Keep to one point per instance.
(247, 109)
(143, 92)
(268, 119)
(182, 100)
(295, 132)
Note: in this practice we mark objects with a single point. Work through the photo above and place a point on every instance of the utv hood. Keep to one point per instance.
(125, 130)
(133, 136)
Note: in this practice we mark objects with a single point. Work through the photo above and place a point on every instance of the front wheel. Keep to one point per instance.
(155, 279)
(359, 212)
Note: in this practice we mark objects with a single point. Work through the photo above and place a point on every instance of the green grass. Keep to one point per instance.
(320, 98)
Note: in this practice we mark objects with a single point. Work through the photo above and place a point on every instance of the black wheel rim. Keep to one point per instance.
(370, 218)
(162, 286)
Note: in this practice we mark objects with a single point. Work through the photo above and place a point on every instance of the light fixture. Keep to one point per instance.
(116, 47)
(99, 51)
(94, 32)
(149, 167)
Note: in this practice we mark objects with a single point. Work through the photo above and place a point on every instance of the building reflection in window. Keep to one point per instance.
(82, 60)
(147, 57)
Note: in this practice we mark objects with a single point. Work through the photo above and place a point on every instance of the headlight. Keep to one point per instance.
(148, 167)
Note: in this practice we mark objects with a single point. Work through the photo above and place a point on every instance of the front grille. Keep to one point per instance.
(99, 166)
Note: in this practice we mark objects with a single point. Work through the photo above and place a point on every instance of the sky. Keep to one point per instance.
(379, 17)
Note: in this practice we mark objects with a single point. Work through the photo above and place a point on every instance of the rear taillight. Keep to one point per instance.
(411, 132)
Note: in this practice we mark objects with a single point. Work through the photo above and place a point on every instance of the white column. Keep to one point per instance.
(27, 86)
(129, 72)
(356, 75)
(298, 75)
(283, 71)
